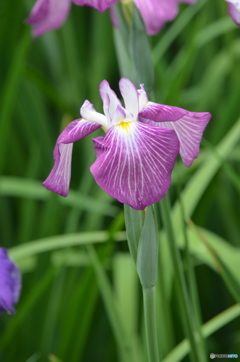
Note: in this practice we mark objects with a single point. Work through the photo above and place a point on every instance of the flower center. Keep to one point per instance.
(125, 126)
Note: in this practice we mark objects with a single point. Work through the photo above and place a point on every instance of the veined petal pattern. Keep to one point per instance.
(59, 178)
(134, 163)
(189, 126)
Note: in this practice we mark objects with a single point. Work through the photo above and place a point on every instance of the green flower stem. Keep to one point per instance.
(186, 307)
(150, 323)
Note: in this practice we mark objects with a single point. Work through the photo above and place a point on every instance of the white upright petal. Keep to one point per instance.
(89, 113)
(130, 96)
(121, 115)
(142, 97)
(110, 100)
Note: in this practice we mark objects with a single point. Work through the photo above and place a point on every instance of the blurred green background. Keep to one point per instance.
(81, 297)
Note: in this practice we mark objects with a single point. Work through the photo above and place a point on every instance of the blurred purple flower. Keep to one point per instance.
(136, 157)
(10, 283)
(234, 10)
(156, 13)
(100, 5)
(47, 15)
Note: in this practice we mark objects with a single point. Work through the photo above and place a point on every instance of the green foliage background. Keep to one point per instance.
(81, 298)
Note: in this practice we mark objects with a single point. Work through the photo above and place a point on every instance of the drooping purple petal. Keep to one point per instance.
(100, 5)
(189, 126)
(110, 100)
(156, 13)
(130, 96)
(234, 10)
(10, 283)
(47, 15)
(39, 11)
(134, 163)
(59, 178)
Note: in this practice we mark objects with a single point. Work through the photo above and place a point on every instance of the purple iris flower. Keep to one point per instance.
(234, 10)
(156, 13)
(135, 159)
(47, 15)
(10, 283)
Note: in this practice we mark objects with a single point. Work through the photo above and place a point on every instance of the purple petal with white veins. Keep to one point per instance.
(109, 98)
(234, 10)
(130, 96)
(59, 178)
(100, 5)
(161, 112)
(189, 126)
(155, 15)
(10, 283)
(134, 163)
(47, 15)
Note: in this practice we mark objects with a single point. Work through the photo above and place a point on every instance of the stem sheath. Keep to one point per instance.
(150, 324)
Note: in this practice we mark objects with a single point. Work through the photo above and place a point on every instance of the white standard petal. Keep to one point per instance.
(121, 115)
(110, 100)
(130, 96)
(142, 97)
(89, 113)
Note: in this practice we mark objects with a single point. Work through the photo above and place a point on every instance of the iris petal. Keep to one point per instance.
(155, 15)
(121, 115)
(89, 113)
(10, 283)
(189, 126)
(188, 1)
(109, 98)
(100, 5)
(59, 178)
(234, 10)
(142, 97)
(134, 163)
(47, 15)
(130, 96)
